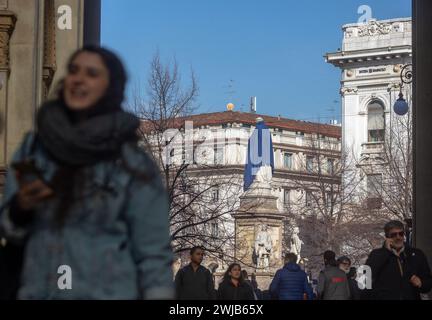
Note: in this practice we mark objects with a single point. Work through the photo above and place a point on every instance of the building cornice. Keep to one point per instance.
(230, 170)
(346, 59)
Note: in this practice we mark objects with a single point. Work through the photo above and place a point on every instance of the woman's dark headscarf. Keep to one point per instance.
(114, 95)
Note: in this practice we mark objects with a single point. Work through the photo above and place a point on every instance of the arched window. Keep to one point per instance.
(376, 122)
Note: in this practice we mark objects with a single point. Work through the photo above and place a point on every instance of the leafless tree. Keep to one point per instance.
(393, 192)
(325, 209)
(200, 195)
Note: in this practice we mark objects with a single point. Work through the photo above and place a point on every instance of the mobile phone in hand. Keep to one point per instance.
(28, 172)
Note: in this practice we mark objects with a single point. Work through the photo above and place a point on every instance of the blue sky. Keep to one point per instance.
(272, 49)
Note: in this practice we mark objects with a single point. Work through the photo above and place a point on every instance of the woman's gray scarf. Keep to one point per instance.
(86, 142)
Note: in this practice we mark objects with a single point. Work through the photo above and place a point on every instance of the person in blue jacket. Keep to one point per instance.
(291, 282)
(83, 199)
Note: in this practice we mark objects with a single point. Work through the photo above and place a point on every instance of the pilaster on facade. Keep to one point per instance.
(7, 25)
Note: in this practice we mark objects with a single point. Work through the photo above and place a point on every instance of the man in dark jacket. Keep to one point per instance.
(398, 272)
(291, 282)
(332, 281)
(195, 282)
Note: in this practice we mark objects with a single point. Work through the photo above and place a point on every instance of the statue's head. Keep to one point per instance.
(264, 227)
(296, 230)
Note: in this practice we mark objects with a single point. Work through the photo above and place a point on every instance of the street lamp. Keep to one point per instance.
(401, 106)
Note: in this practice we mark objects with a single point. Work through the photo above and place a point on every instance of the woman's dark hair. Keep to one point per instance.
(227, 277)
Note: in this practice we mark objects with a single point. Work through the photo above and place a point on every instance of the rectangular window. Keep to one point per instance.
(309, 164)
(287, 197)
(287, 160)
(376, 123)
(376, 136)
(218, 155)
(215, 194)
(329, 200)
(308, 198)
(214, 229)
(374, 185)
(330, 166)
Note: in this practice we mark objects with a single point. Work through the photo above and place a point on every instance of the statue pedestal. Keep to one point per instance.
(258, 207)
(263, 279)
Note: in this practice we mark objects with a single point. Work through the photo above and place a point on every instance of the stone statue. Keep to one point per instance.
(264, 175)
(263, 248)
(296, 243)
(176, 265)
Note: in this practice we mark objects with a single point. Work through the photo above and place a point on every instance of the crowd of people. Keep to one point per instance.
(398, 271)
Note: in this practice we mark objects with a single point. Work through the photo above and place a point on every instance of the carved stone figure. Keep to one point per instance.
(296, 243)
(263, 248)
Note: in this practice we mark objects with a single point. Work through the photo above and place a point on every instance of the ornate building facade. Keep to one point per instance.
(371, 60)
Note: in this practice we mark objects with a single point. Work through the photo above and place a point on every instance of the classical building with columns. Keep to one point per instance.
(371, 60)
(36, 40)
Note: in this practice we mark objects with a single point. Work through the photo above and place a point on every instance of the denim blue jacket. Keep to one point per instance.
(115, 238)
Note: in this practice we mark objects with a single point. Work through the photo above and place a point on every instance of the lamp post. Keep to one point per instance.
(401, 106)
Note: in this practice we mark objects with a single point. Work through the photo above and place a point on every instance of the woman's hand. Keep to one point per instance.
(33, 193)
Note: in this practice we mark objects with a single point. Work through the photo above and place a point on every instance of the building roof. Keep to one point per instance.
(220, 118)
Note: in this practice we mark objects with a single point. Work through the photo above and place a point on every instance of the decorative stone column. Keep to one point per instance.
(7, 25)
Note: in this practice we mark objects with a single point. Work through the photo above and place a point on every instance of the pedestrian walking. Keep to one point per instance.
(353, 284)
(84, 199)
(291, 282)
(234, 286)
(195, 282)
(344, 264)
(332, 281)
(249, 282)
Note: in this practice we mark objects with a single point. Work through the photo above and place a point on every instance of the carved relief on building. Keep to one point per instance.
(7, 25)
(348, 90)
(372, 159)
(49, 53)
(374, 28)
